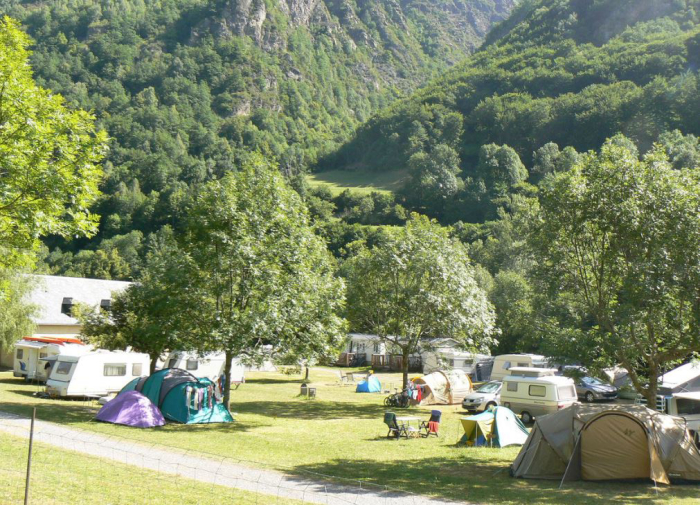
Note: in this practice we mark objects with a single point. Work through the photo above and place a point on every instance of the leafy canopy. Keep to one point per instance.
(49, 157)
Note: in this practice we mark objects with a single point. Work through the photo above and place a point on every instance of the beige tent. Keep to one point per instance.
(444, 387)
(604, 442)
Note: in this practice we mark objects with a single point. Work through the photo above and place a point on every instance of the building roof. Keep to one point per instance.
(681, 375)
(50, 291)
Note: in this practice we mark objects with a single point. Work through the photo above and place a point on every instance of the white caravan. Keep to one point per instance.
(209, 366)
(503, 363)
(531, 393)
(97, 373)
(35, 355)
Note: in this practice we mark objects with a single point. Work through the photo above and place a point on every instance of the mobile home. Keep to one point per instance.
(502, 363)
(207, 366)
(445, 354)
(97, 373)
(34, 355)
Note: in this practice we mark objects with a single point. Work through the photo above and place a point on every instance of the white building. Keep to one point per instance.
(55, 296)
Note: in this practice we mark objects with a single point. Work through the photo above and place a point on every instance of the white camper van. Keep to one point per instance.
(504, 362)
(533, 392)
(35, 355)
(97, 373)
(209, 366)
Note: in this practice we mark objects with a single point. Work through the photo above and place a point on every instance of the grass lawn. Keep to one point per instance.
(359, 181)
(341, 434)
(66, 477)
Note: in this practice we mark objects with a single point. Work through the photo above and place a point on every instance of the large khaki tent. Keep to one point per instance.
(603, 442)
(444, 387)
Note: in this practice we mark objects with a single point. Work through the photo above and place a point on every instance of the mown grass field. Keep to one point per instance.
(341, 434)
(359, 181)
(65, 477)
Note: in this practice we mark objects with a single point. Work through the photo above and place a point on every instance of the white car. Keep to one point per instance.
(486, 396)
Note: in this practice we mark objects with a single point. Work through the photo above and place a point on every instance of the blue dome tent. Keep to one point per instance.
(371, 385)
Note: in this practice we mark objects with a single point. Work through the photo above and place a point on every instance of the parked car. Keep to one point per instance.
(486, 396)
(591, 389)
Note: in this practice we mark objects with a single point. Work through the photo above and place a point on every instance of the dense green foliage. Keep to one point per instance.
(186, 87)
(257, 273)
(49, 158)
(568, 72)
(417, 283)
(618, 239)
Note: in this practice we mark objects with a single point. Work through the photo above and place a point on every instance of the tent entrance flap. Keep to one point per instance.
(615, 447)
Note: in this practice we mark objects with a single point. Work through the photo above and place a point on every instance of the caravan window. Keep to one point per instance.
(115, 370)
(192, 364)
(566, 392)
(136, 369)
(538, 391)
(523, 364)
(42, 355)
(512, 386)
(20, 353)
(63, 367)
(171, 363)
(506, 365)
(687, 407)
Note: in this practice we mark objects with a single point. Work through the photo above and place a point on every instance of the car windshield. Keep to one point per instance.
(491, 387)
(592, 381)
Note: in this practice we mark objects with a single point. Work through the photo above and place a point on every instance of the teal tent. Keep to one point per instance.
(182, 397)
(499, 427)
(371, 385)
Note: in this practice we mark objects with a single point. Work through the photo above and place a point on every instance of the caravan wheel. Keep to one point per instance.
(526, 417)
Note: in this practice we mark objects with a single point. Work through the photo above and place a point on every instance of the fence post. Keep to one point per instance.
(29, 459)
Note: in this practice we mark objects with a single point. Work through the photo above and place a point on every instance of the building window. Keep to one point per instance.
(538, 391)
(115, 370)
(20, 353)
(136, 369)
(63, 368)
(376, 348)
(67, 306)
(361, 347)
(106, 304)
(512, 386)
(192, 364)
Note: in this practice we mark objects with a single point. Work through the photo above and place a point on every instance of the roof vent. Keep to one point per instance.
(67, 306)
(106, 304)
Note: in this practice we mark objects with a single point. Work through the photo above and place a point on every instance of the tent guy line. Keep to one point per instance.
(219, 472)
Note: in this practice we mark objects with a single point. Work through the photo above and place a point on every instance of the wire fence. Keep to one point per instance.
(70, 466)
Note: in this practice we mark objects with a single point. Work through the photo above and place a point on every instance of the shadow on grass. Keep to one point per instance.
(311, 410)
(475, 479)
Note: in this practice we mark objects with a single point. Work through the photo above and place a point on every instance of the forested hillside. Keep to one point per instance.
(185, 88)
(564, 72)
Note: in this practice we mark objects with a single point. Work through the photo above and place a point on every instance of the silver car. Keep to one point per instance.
(591, 389)
(486, 396)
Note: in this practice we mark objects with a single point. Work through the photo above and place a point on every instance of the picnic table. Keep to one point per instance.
(405, 422)
(352, 375)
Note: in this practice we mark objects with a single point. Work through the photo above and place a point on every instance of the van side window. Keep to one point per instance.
(136, 369)
(687, 407)
(512, 386)
(538, 391)
(506, 365)
(114, 370)
(192, 364)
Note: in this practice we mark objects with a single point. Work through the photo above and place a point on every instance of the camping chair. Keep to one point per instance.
(394, 429)
(432, 425)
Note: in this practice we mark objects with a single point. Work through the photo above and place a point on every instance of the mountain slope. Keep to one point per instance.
(186, 88)
(571, 72)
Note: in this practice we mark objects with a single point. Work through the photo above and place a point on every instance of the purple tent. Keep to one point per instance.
(132, 409)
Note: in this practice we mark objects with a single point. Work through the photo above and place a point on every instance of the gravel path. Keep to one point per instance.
(206, 469)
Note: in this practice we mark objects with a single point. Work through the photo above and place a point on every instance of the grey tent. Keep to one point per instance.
(603, 442)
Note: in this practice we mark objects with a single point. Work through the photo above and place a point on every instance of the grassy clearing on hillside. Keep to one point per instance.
(359, 181)
(341, 434)
(66, 477)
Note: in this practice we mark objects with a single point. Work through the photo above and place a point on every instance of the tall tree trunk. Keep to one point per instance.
(306, 379)
(651, 390)
(404, 366)
(227, 374)
(154, 361)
